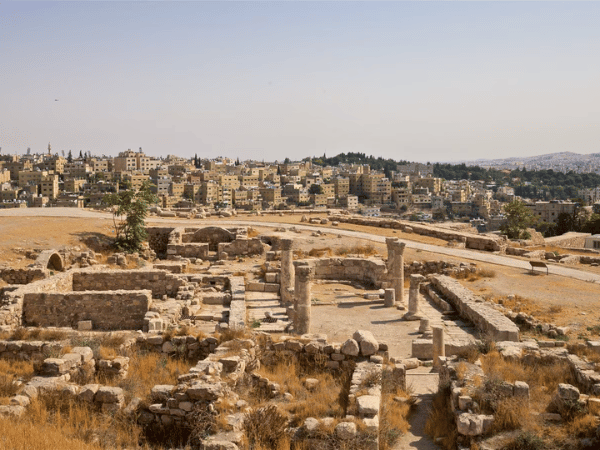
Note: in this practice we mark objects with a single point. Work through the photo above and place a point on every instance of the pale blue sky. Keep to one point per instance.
(422, 81)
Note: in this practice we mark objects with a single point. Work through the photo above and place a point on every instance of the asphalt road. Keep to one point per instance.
(555, 269)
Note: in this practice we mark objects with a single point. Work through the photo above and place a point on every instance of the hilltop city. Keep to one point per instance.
(410, 190)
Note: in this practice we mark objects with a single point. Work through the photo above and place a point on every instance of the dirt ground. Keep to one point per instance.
(561, 300)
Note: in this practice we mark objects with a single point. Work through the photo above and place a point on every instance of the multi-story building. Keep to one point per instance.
(271, 196)
(49, 186)
(549, 211)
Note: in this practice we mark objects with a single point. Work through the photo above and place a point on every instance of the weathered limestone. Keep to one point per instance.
(424, 326)
(287, 272)
(439, 349)
(389, 299)
(397, 269)
(302, 296)
(413, 297)
(474, 309)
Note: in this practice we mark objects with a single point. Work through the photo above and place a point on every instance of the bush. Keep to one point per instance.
(265, 427)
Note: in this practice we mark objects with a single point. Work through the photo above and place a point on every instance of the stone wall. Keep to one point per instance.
(371, 271)
(192, 250)
(11, 303)
(158, 238)
(108, 310)
(474, 241)
(475, 309)
(160, 282)
(242, 246)
(23, 276)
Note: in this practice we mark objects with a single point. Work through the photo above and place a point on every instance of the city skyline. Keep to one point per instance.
(413, 81)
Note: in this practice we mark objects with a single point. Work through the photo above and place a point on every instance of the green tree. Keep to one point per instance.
(315, 189)
(70, 157)
(519, 218)
(129, 214)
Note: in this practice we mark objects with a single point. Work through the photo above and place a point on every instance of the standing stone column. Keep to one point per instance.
(389, 298)
(390, 252)
(397, 267)
(286, 275)
(413, 297)
(302, 296)
(439, 347)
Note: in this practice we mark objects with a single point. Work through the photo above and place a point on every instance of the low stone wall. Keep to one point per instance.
(11, 303)
(108, 310)
(371, 271)
(242, 247)
(193, 250)
(29, 350)
(160, 282)
(158, 238)
(23, 276)
(474, 241)
(474, 309)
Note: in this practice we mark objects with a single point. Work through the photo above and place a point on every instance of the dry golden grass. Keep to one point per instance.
(54, 422)
(322, 401)
(469, 275)
(586, 352)
(17, 435)
(149, 369)
(320, 252)
(362, 250)
(35, 334)
(393, 418)
(510, 414)
(517, 304)
(12, 371)
(440, 420)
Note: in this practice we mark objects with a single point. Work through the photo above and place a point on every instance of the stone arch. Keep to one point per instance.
(51, 259)
(213, 236)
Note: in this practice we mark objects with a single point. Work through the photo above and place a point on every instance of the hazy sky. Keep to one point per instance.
(422, 81)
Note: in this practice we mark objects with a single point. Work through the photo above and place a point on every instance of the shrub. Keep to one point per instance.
(265, 427)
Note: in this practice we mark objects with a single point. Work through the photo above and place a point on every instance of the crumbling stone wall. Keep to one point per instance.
(242, 246)
(371, 271)
(11, 303)
(158, 238)
(160, 282)
(23, 276)
(108, 310)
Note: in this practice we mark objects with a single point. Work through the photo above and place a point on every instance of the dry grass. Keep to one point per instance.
(35, 334)
(362, 250)
(11, 372)
(253, 232)
(470, 275)
(393, 418)
(440, 421)
(517, 304)
(149, 369)
(320, 252)
(55, 422)
(265, 428)
(322, 401)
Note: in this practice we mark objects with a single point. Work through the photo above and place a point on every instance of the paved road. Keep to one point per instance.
(555, 269)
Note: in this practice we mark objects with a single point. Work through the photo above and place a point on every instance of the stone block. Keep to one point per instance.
(109, 394)
(204, 391)
(350, 348)
(345, 430)
(161, 392)
(84, 325)
(88, 392)
(367, 342)
(422, 348)
(368, 405)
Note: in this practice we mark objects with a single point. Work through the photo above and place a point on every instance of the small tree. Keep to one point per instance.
(518, 217)
(315, 189)
(129, 214)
